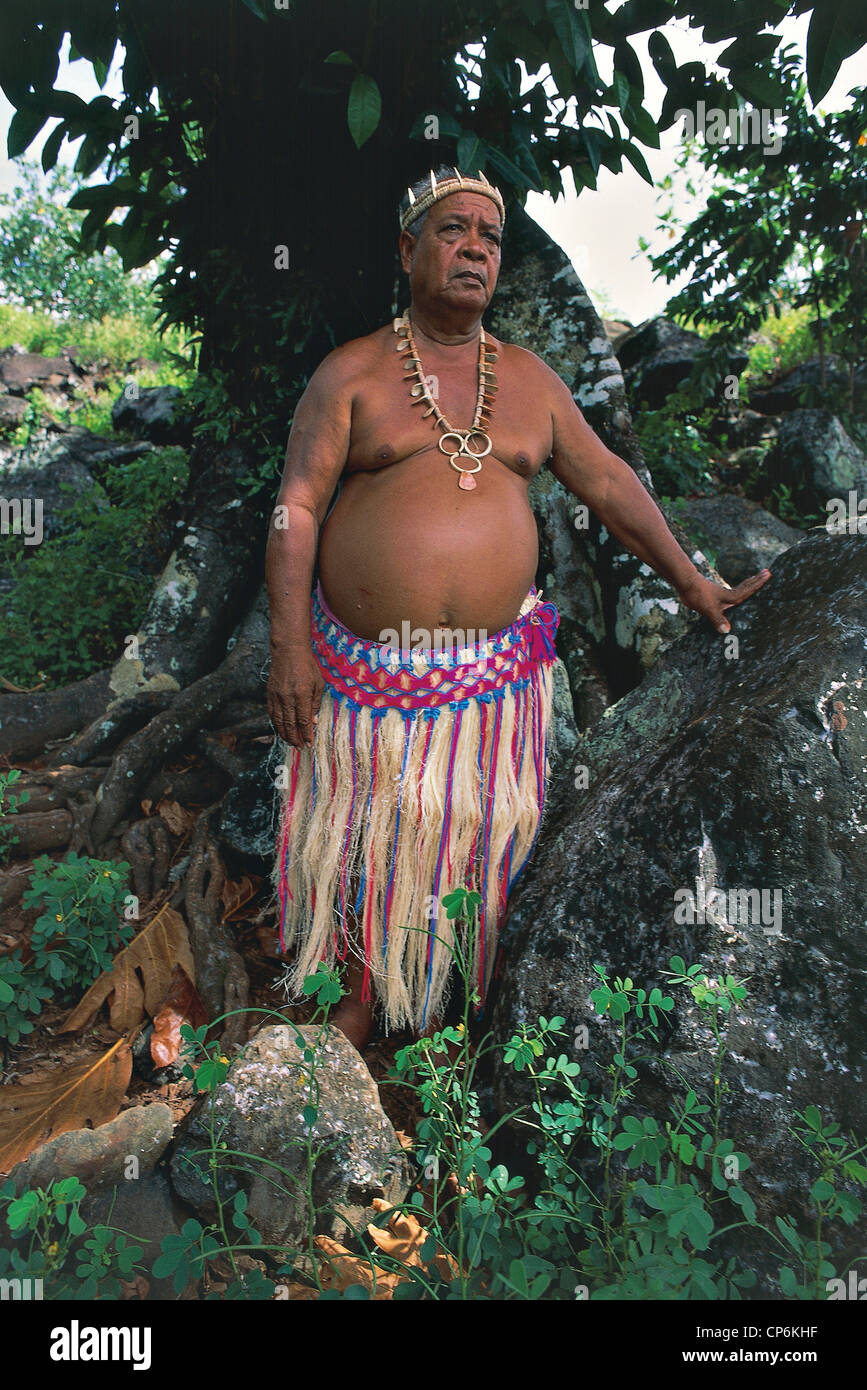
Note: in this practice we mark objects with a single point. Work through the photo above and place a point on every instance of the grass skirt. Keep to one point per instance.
(427, 773)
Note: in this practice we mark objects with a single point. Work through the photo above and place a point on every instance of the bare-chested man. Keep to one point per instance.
(408, 542)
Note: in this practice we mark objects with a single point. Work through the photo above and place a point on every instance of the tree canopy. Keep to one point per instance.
(263, 146)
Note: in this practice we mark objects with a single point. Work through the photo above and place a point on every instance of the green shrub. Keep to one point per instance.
(675, 445)
(9, 802)
(48, 1239)
(73, 940)
(76, 596)
(41, 263)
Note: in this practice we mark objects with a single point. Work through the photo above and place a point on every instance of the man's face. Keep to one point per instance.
(456, 257)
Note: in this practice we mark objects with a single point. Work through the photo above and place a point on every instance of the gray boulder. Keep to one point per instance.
(258, 1110)
(20, 371)
(816, 458)
(12, 412)
(617, 614)
(734, 774)
(741, 536)
(152, 412)
(794, 389)
(658, 356)
(100, 1158)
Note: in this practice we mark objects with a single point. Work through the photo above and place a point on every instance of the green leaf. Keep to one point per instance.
(338, 56)
(641, 124)
(639, 163)
(788, 1282)
(570, 32)
(761, 88)
(364, 109)
(23, 130)
(747, 50)
(836, 31)
(821, 1190)
(93, 30)
(470, 153)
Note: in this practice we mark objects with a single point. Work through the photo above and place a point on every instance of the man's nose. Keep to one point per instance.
(473, 246)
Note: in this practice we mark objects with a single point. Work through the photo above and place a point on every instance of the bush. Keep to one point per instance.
(76, 596)
(41, 264)
(73, 939)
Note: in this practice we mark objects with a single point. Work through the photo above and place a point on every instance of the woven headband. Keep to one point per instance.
(459, 184)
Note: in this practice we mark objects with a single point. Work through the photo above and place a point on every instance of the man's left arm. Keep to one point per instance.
(610, 488)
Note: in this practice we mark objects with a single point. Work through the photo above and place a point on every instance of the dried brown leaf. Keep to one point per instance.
(155, 951)
(181, 1005)
(233, 896)
(177, 817)
(88, 1093)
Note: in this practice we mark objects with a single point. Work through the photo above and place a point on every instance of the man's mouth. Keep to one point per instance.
(470, 275)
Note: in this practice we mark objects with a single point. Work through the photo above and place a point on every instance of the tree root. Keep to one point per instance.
(191, 709)
(40, 832)
(221, 976)
(147, 848)
(122, 717)
(30, 723)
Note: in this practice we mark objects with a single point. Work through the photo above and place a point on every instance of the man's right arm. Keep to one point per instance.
(315, 457)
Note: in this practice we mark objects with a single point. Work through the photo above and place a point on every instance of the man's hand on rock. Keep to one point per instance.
(294, 694)
(711, 600)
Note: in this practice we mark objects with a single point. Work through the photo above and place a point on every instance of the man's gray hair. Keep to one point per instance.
(445, 171)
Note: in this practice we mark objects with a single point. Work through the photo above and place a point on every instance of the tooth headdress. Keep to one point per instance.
(461, 183)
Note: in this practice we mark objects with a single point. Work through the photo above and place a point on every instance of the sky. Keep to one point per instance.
(599, 230)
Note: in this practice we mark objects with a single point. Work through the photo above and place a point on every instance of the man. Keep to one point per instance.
(414, 772)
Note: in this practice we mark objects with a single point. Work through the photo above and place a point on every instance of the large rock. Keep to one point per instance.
(742, 537)
(258, 1110)
(12, 411)
(152, 412)
(246, 824)
(658, 355)
(101, 1157)
(20, 371)
(617, 614)
(747, 773)
(815, 457)
(802, 386)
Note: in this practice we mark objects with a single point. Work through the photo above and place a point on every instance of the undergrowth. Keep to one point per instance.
(616, 1203)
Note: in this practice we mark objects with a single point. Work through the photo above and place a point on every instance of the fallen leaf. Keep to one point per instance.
(88, 1093)
(181, 1005)
(233, 896)
(403, 1238)
(147, 806)
(155, 951)
(177, 818)
(342, 1270)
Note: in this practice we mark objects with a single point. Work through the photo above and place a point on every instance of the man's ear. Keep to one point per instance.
(406, 247)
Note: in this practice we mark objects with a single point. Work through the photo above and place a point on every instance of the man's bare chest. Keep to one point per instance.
(390, 425)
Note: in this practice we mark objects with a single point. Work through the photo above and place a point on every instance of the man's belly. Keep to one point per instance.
(405, 545)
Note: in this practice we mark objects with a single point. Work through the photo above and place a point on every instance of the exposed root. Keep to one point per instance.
(190, 710)
(221, 977)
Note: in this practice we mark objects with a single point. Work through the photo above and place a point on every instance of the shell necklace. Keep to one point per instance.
(460, 447)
